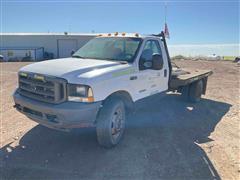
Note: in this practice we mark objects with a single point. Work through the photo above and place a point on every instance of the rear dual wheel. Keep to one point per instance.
(193, 92)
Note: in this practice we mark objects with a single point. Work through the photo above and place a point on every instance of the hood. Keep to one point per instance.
(63, 67)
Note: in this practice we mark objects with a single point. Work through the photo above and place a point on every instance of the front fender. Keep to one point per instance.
(105, 88)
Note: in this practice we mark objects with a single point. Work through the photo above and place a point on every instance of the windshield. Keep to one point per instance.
(110, 48)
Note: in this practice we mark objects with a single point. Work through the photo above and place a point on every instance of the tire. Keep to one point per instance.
(111, 123)
(195, 91)
(185, 93)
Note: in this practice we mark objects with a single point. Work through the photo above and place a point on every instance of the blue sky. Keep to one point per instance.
(189, 22)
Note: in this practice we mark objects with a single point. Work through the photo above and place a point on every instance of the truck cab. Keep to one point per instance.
(97, 86)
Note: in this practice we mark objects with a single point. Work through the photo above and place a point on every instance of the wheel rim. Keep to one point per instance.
(117, 123)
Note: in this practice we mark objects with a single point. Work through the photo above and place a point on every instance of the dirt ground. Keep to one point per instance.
(166, 138)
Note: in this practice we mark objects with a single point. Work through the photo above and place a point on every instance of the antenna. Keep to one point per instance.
(166, 32)
(165, 12)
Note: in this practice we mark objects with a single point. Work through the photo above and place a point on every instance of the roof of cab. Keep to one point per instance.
(115, 34)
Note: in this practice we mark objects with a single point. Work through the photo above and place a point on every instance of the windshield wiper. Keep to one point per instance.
(77, 56)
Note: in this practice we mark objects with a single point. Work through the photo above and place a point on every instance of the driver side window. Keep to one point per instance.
(151, 47)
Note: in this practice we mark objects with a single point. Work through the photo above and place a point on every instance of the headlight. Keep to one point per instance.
(80, 93)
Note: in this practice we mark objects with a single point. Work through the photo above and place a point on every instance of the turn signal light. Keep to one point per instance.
(87, 99)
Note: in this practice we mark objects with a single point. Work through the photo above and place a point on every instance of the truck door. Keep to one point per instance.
(152, 81)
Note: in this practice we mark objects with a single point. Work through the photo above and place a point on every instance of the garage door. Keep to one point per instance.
(66, 46)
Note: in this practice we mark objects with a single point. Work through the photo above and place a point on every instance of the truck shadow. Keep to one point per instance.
(161, 142)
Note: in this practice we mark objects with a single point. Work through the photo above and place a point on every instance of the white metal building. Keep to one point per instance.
(39, 46)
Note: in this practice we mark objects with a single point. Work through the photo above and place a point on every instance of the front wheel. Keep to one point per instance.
(111, 123)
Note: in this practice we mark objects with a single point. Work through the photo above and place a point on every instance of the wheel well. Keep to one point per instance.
(125, 97)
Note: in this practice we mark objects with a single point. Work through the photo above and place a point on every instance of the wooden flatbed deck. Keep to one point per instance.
(187, 76)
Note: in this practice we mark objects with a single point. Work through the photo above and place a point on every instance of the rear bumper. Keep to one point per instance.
(62, 116)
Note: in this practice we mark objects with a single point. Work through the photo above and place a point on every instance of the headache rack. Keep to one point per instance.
(42, 88)
(163, 39)
(178, 77)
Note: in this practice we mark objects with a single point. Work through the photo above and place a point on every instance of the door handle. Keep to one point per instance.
(165, 72)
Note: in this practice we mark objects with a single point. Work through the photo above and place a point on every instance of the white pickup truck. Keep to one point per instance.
(100, 83)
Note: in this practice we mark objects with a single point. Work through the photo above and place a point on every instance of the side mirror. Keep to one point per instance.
(157, 62)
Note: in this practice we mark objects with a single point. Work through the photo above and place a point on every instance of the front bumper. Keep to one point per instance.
(62, 116)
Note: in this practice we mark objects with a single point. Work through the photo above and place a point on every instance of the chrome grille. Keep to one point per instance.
(46, 89)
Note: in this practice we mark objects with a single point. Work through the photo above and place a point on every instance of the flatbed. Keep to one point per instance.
(183, 77)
